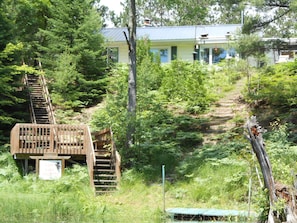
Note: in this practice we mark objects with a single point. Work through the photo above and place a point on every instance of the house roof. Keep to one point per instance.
(176, 33)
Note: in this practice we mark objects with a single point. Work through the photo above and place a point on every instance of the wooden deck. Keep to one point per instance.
(39, 139)
(62, 142)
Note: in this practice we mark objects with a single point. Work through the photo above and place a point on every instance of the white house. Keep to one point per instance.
(207, 43)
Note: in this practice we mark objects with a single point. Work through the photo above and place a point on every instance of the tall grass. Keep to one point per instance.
(29, 199)
(213, 177)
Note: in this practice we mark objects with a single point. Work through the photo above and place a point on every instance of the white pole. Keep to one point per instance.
(163, 184)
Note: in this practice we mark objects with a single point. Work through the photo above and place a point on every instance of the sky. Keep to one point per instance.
(112, 5)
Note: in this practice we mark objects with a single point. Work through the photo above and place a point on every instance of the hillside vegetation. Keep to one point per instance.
(169, 132)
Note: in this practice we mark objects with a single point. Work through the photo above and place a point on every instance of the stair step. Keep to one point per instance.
(102, 151)
(104, 181)
(100, 192)
(105, 175)
(105, 161)
(104, 170)
(105, 186)
(105, 164)
(102, 165)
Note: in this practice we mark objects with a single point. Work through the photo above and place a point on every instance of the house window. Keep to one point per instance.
(205, 55)
(113, 54)
(219, 54)
(161, 53)
(173, 52)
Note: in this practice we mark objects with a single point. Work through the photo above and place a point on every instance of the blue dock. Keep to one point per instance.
(204, 215)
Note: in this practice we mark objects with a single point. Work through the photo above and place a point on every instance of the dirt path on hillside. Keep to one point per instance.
(218, 120)
(223, 113)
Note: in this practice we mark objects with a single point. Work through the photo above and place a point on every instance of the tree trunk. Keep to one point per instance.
(255, 131)
(131, 41)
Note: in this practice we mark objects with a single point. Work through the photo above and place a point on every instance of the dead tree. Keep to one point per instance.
(131, 42)
(275, 191)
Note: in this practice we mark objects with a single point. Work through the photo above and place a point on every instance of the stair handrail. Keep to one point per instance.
(31, 107)
(115, 156)
(47, 98)
(90, 155)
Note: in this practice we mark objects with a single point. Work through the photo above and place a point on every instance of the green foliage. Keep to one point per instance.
(69, 88)
(165, 12)
(275, 86)
(185, 83)
(250, 45)
(8, 172)
(6, 26)
(227, 148)
(262, 204)
(12, 97)
(231, 176)
(30, 16)
(69, 199)
(73, 54)
(161, 137)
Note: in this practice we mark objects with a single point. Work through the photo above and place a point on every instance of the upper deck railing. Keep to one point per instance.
(44, 138)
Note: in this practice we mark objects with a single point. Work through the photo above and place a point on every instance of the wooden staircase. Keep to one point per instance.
(44, 137)
(106, 172)
(40, 103)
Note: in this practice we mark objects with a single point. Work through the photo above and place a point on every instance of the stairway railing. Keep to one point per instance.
(31, 107)
(116, 157)
(106, 135)
(47, 98)
(90, 155)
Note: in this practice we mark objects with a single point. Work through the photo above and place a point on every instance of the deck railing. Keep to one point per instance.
(44, 138)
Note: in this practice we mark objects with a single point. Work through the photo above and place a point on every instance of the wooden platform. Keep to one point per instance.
(207, 215)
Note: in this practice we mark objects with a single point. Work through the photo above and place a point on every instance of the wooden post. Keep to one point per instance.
(26, 169)
(254, 134)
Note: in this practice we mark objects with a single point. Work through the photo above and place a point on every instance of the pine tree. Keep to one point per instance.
(73, 28)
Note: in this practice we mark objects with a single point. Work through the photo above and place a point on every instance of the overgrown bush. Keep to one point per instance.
(275, 86)
(185, 83)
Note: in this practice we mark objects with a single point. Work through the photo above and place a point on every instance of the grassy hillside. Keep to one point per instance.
(170, 132)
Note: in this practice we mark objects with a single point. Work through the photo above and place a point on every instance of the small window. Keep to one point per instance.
(113, 54)
(173, 52)
(162, 53)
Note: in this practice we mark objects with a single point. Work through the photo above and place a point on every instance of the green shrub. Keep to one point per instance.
(275, 86)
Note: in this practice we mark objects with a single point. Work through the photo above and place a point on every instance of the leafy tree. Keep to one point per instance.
(275, 18)
(11, 96)
(73, 29)
(166, 12)
(225, 12)
(250, 45)
(161, 138)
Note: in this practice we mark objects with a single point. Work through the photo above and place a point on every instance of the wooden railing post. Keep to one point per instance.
(52, 138)
(90, 154)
